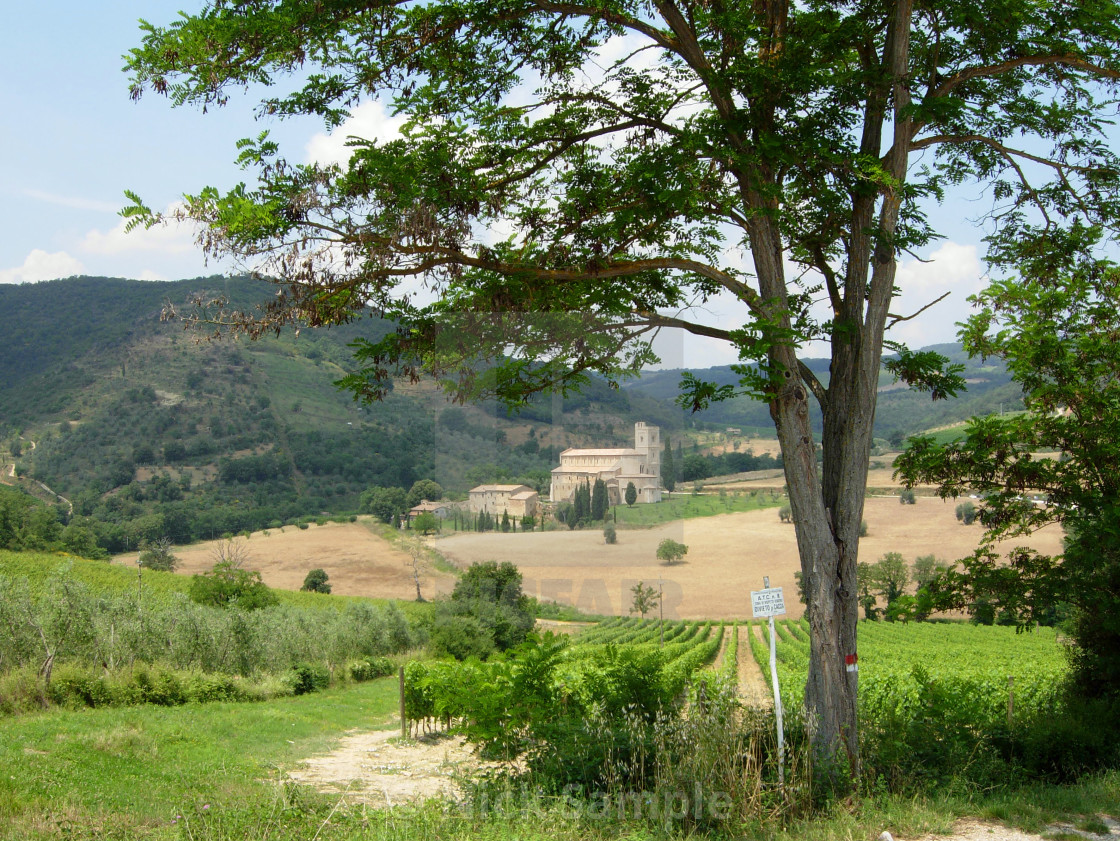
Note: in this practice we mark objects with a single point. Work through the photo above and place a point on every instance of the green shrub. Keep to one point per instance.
(460, 636)
(375, 667)
(306, 678)
(316, 581)
(227, 585)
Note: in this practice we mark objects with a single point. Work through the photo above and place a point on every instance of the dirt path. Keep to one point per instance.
(558, 626)
(379, 769)
(753, 686)
(970, 829)
(721, 655)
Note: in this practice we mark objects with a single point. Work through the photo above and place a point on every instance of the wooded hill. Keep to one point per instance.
(145, 427)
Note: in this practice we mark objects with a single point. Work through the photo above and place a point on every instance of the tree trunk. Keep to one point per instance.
(827, 528)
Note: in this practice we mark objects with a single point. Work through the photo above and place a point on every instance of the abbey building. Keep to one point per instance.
(617, 467)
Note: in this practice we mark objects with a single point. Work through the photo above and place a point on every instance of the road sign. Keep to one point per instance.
(768, 602)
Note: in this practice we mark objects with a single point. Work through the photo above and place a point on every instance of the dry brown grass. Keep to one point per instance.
(358, 561)
(728, 556)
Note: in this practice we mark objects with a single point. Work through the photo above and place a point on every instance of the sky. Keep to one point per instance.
(72, 141)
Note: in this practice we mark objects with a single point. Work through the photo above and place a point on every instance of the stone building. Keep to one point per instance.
(617, 467)
(515, 500)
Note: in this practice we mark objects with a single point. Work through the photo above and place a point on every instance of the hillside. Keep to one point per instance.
(900, 412)
(152, 432)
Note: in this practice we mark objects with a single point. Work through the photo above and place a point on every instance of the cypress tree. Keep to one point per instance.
(581, 505)
(668, 468)
(599, 500)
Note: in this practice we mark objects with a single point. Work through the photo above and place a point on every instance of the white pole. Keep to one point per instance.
(777, 697)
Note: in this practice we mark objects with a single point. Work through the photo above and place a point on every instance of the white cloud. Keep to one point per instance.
(170, 237)
(369, 121)
(76, 202)
(39, 265)
(952, 268)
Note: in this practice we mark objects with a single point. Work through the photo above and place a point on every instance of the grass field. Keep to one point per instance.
(220, 772)
(687, 506)
(129, 772)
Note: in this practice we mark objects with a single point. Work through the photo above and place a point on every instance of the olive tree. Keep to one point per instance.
(557, 219)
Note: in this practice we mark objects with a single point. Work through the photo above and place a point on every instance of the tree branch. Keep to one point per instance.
(1002, 67)
(896, 319)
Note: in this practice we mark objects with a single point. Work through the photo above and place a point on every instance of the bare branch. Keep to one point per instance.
(896, 319)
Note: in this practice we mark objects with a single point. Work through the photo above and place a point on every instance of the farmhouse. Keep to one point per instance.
(616, 467)
(515, 500)
(441, 510)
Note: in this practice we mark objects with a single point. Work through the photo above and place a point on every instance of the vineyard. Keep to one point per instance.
(977, 667)
(989, 675)
(932, 696)
(618, 664)
(938, 698)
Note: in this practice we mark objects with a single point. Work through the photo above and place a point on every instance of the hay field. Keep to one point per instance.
(358, 561)
(727, 557)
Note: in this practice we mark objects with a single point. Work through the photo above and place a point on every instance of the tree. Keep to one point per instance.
(423, 489)
(226, 585)
(1055, 327)
(631, 494)
(966, 512)
(158, 555)
(385, 503)
(645, 599)
(926, 569)
(610, 534)
(419, 563)
(906, 497)
(230, 552)
(669, 551)
(812, 136)
(867, 598)
(316, 581)
(426, 522)
(491, 592)
(599, 500)
(581, 505)
(888, 577)
(668, 468)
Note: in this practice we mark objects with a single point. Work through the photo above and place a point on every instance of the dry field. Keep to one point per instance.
(358, 561)
(727, 557)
